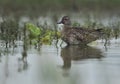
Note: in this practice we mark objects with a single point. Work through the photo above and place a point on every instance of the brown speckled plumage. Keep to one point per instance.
(78, 35)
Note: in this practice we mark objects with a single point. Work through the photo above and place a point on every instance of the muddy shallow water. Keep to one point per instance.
(93, 64)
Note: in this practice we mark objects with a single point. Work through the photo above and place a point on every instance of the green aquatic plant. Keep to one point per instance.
(56, 34)
(40, 35)
(34, 31)
(47, 37)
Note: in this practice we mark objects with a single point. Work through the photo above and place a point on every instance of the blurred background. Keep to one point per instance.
(59, 5)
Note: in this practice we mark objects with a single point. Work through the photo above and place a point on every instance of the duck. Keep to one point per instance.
(77, 35)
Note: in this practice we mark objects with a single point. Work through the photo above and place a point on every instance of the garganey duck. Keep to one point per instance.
(77, 35)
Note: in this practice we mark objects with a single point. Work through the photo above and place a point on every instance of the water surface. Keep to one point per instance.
(93, 64)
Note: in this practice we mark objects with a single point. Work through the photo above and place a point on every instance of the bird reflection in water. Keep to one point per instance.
(77, 53)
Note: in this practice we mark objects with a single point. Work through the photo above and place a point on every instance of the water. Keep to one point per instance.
(93, 64)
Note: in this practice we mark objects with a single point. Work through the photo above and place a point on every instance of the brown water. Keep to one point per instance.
(93, 64)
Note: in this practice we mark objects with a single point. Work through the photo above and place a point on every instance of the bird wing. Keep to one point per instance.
(77, 33)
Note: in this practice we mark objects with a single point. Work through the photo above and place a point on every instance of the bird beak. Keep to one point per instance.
(59, 22)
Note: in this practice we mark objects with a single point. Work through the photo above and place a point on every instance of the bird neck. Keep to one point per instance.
(67, 26)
